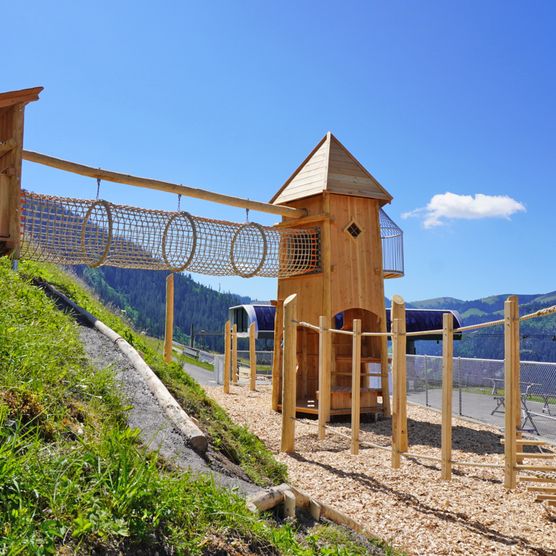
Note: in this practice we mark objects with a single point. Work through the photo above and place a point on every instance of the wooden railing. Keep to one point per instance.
(398, 334)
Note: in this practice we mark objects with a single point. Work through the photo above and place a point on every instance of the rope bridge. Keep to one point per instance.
(96, 232)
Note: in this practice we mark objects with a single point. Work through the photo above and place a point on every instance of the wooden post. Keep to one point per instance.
(235, 370)
(384, 380)
(12, 109)
(395, 395)
(252, 358)
(447, 386)
(512, 399)
(324, 374)
(227, 357)
(289, 374)
(169, 330)
(399, 359)
(277, 357)
(355, 386)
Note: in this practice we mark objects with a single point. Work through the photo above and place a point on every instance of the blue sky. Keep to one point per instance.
(432, 97)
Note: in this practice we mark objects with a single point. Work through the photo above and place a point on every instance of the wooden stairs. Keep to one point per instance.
(543, 482)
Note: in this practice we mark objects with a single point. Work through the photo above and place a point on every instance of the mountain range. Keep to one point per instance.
(538, 336)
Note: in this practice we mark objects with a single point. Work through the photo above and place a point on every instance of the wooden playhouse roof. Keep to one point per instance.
(331, 167)
(22, 96)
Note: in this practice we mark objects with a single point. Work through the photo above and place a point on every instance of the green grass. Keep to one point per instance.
(73, 478)
(234, 441)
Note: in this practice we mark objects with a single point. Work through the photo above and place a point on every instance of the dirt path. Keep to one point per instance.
(411, 507)
(157, 432)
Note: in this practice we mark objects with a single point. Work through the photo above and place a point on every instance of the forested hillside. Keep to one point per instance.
(142, 293)
(538, 336)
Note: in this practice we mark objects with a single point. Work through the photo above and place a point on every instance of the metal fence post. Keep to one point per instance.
(459, 386)
(426, 384)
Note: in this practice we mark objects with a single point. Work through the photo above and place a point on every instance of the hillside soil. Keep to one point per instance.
(410, 508)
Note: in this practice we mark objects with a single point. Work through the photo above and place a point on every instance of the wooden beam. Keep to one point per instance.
(511, 361)
(324, 374)
(4, 207)
(227, 356)
(304, 221)
(277, 357)
(396, 461)
(252, 359)
(398, 312)
(447, 387)
(235, 369)
(116, 177)
(169, 328)
(355, 386)
(384, 380)
(287, 443)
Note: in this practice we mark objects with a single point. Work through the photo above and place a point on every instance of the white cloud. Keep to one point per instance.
(450, 206)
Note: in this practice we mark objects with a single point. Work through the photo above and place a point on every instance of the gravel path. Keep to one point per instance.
(157, 432)
(410, 507)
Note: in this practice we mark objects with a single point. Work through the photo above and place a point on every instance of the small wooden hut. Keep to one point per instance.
(344, 200)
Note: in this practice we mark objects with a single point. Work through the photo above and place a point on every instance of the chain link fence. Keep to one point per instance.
(478, 390)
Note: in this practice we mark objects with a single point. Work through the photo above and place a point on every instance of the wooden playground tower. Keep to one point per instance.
(344, 200)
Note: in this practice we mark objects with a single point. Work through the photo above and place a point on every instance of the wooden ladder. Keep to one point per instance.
(543, 484)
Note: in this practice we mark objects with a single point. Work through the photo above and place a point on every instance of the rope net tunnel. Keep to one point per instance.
(95, 232)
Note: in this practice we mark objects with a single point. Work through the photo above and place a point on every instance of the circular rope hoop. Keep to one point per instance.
(94, 232)
(182, 241)
(246, 242)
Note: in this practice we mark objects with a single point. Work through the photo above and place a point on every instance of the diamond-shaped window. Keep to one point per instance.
(353, 230)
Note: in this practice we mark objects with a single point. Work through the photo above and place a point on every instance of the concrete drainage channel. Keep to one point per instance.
(258, 499)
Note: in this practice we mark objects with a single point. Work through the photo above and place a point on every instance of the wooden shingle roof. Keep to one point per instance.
(331, 167)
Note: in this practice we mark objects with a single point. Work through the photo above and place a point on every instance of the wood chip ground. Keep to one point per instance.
(411, 508)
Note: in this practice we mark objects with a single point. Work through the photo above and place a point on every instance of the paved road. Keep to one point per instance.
(202, 376)
(480, 406)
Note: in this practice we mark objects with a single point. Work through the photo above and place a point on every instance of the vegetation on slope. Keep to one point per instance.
(72, 473)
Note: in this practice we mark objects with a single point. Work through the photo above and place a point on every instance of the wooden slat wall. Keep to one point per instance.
(346, 176)
(310, 180)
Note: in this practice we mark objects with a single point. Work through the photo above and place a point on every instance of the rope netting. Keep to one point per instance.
(95, 232)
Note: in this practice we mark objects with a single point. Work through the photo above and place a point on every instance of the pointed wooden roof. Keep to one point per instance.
(331, 167)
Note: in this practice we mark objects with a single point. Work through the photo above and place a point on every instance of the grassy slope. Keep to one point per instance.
(72, 473)
(234, 441)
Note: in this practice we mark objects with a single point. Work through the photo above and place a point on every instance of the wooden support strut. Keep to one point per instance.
(235, 369)
(252, 359)
(169, 325)
(511, 385)
(289, 375)
(324, 374)
(396, 460)
(399, 358)
(137, 181)
(227, 356)
(356, 386)
(277, 359)
(447, 387)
